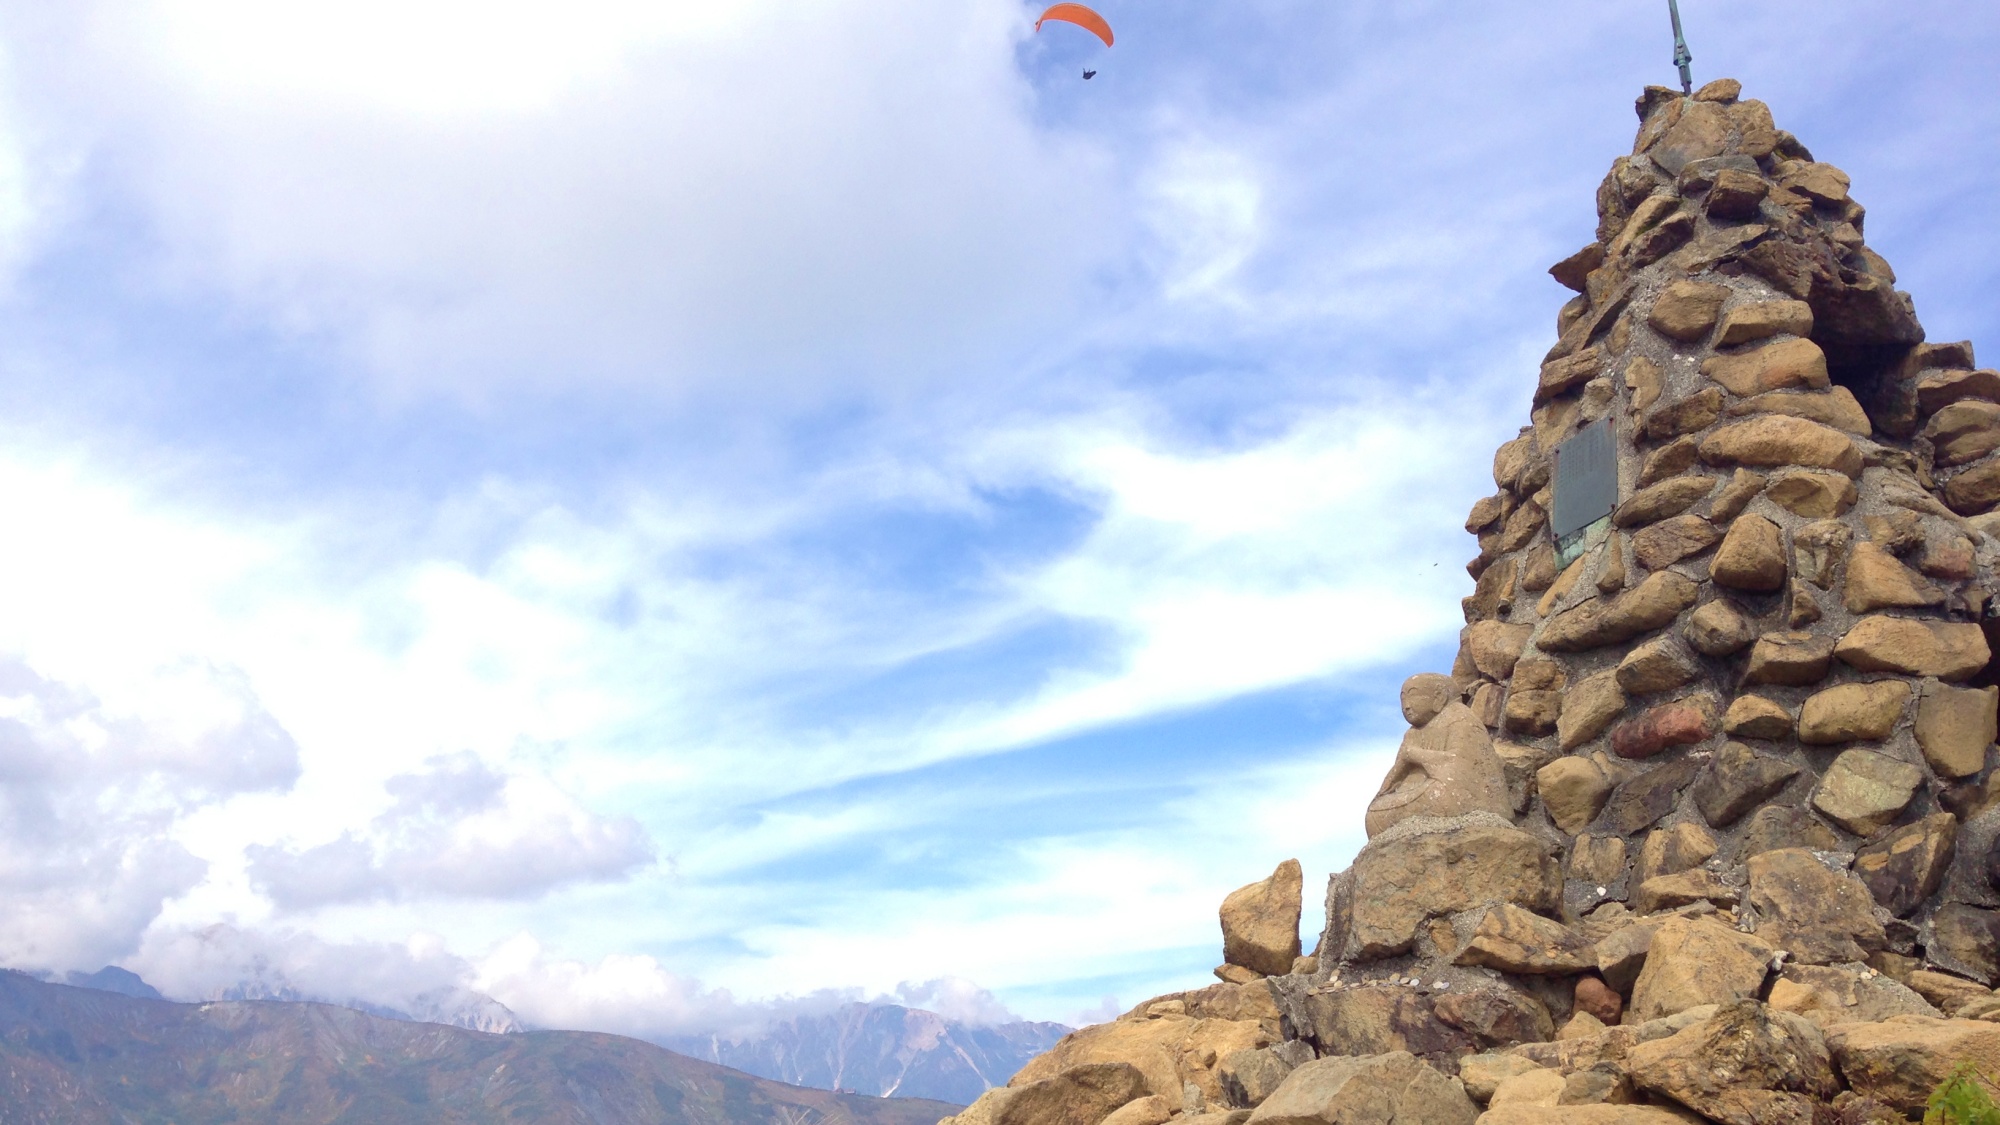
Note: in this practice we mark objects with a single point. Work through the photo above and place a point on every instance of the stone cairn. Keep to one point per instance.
(1702, 825)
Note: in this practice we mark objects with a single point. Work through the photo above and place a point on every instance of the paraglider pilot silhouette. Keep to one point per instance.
(1082, 17)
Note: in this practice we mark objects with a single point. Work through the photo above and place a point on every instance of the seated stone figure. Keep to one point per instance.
(1446, 765)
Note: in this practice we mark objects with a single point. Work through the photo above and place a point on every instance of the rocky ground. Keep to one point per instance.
(1703, 825)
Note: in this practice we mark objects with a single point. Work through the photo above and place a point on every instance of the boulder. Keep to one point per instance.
(1426, 868)
(1948, 993)
(1696, 961)
(1665, 543)
(1150, 1110)
(1956, 727)
(1899, 1061)
(1942, 388)
(1786, 365)
(1640, 800)
(1837, 408)
(1497, 1017)
(1581, 1115)
(1760, 319)
(1249, 1077)
(1720, 629)
(1514, 940)
(1737, 781)
(1374, 1019)
(1851, 712)
(1598, 621)
(1260, 922)
(1947, 650)
(1683, 888)
(1541, 1087)
(1367, 1090)
(1661, 664)
(1818, 915)
(1482, 1074)
(1686, 310)
(1753, 716)
(1746, 1065)
(1085, 1094)
(1832, 994)
(1774, 440)
(1752, 556)
(1789, 659)
(1975, 490)
(1863, 791)
(1568, 373)
(1664, 727)
(1812, 494)
(1875, 580)
(1905, 867)
(1966, 940)
(1573, 791)
(1670, 497)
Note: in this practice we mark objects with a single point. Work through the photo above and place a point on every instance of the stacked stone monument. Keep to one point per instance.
(1703, 823)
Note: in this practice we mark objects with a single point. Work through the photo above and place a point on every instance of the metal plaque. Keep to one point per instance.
(1586, 475)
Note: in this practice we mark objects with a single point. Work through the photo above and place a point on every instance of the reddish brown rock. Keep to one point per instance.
(1664, 727)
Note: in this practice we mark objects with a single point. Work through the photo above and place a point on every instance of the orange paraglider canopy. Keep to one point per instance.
(1079, 15)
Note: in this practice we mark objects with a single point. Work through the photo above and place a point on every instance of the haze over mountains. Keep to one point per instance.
(85, 1056)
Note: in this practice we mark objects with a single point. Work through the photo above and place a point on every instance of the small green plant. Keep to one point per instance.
(1963, 1099)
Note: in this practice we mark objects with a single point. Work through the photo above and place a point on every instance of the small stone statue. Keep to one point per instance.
(1446, 765)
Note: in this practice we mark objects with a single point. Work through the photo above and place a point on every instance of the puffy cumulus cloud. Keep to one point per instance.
(457, 829)
(635, 194)
(92, 795)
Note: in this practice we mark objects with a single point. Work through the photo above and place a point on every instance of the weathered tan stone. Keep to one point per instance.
(1573, 271)
(1664, 727)
(1375, 1019)
(1519, 762)
(1597, 859)
(1771, 440)
(1260, 922)
(1670, 497)
(1774, 826)
(1085, 1094)
(1581, 1115)
(1568, 373)
(1540, 1088)
(1975, 490)
(1813, 495)
(1964, 431)
(1645, 379)
(1488, 510)
(1670, 460)
(1752, 555)
(1753, 716)
(1735, 197)
(1818, 915)
(1588, 709)
(1905, 867)
(1660, 664)
(1956, 727)
(1742, 488)
(1819, 548)
(1836, 994)
(1695, 961)
(1149, 1110)
(1674, 849)
(1598, 621)
(1965, 939)
(1497, 1016)
(1863, 790)
(1366, 1090)
(1422, 870)
(1559, 590)
(1669, 541)
(1573, 791)
(1897, 532)
(1746, 1065)
(1483, 1073)
(1949, 994)
(1688, 415)
(1686, 310)
(1153, 1046)
(1622, 949)
(1824, 184)
(1761, 319)
(1787, 364)
(1949, 557)
(1532, 713)
(1899, 1061)
(1875, 580)
(1947, 650)
(1737, 781)
(1940, 389)
(1611, 573)
(1683, 888)
(1514, 940)
(1836, 408)
(1720, 629)
(1789, 659)
(1853, 712)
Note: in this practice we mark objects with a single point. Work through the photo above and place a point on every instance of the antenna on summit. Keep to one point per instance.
(1681, 56)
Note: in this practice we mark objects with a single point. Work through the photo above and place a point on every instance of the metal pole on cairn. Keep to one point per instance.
(1681, 56)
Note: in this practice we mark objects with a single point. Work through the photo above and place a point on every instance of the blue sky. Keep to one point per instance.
(644, 509)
